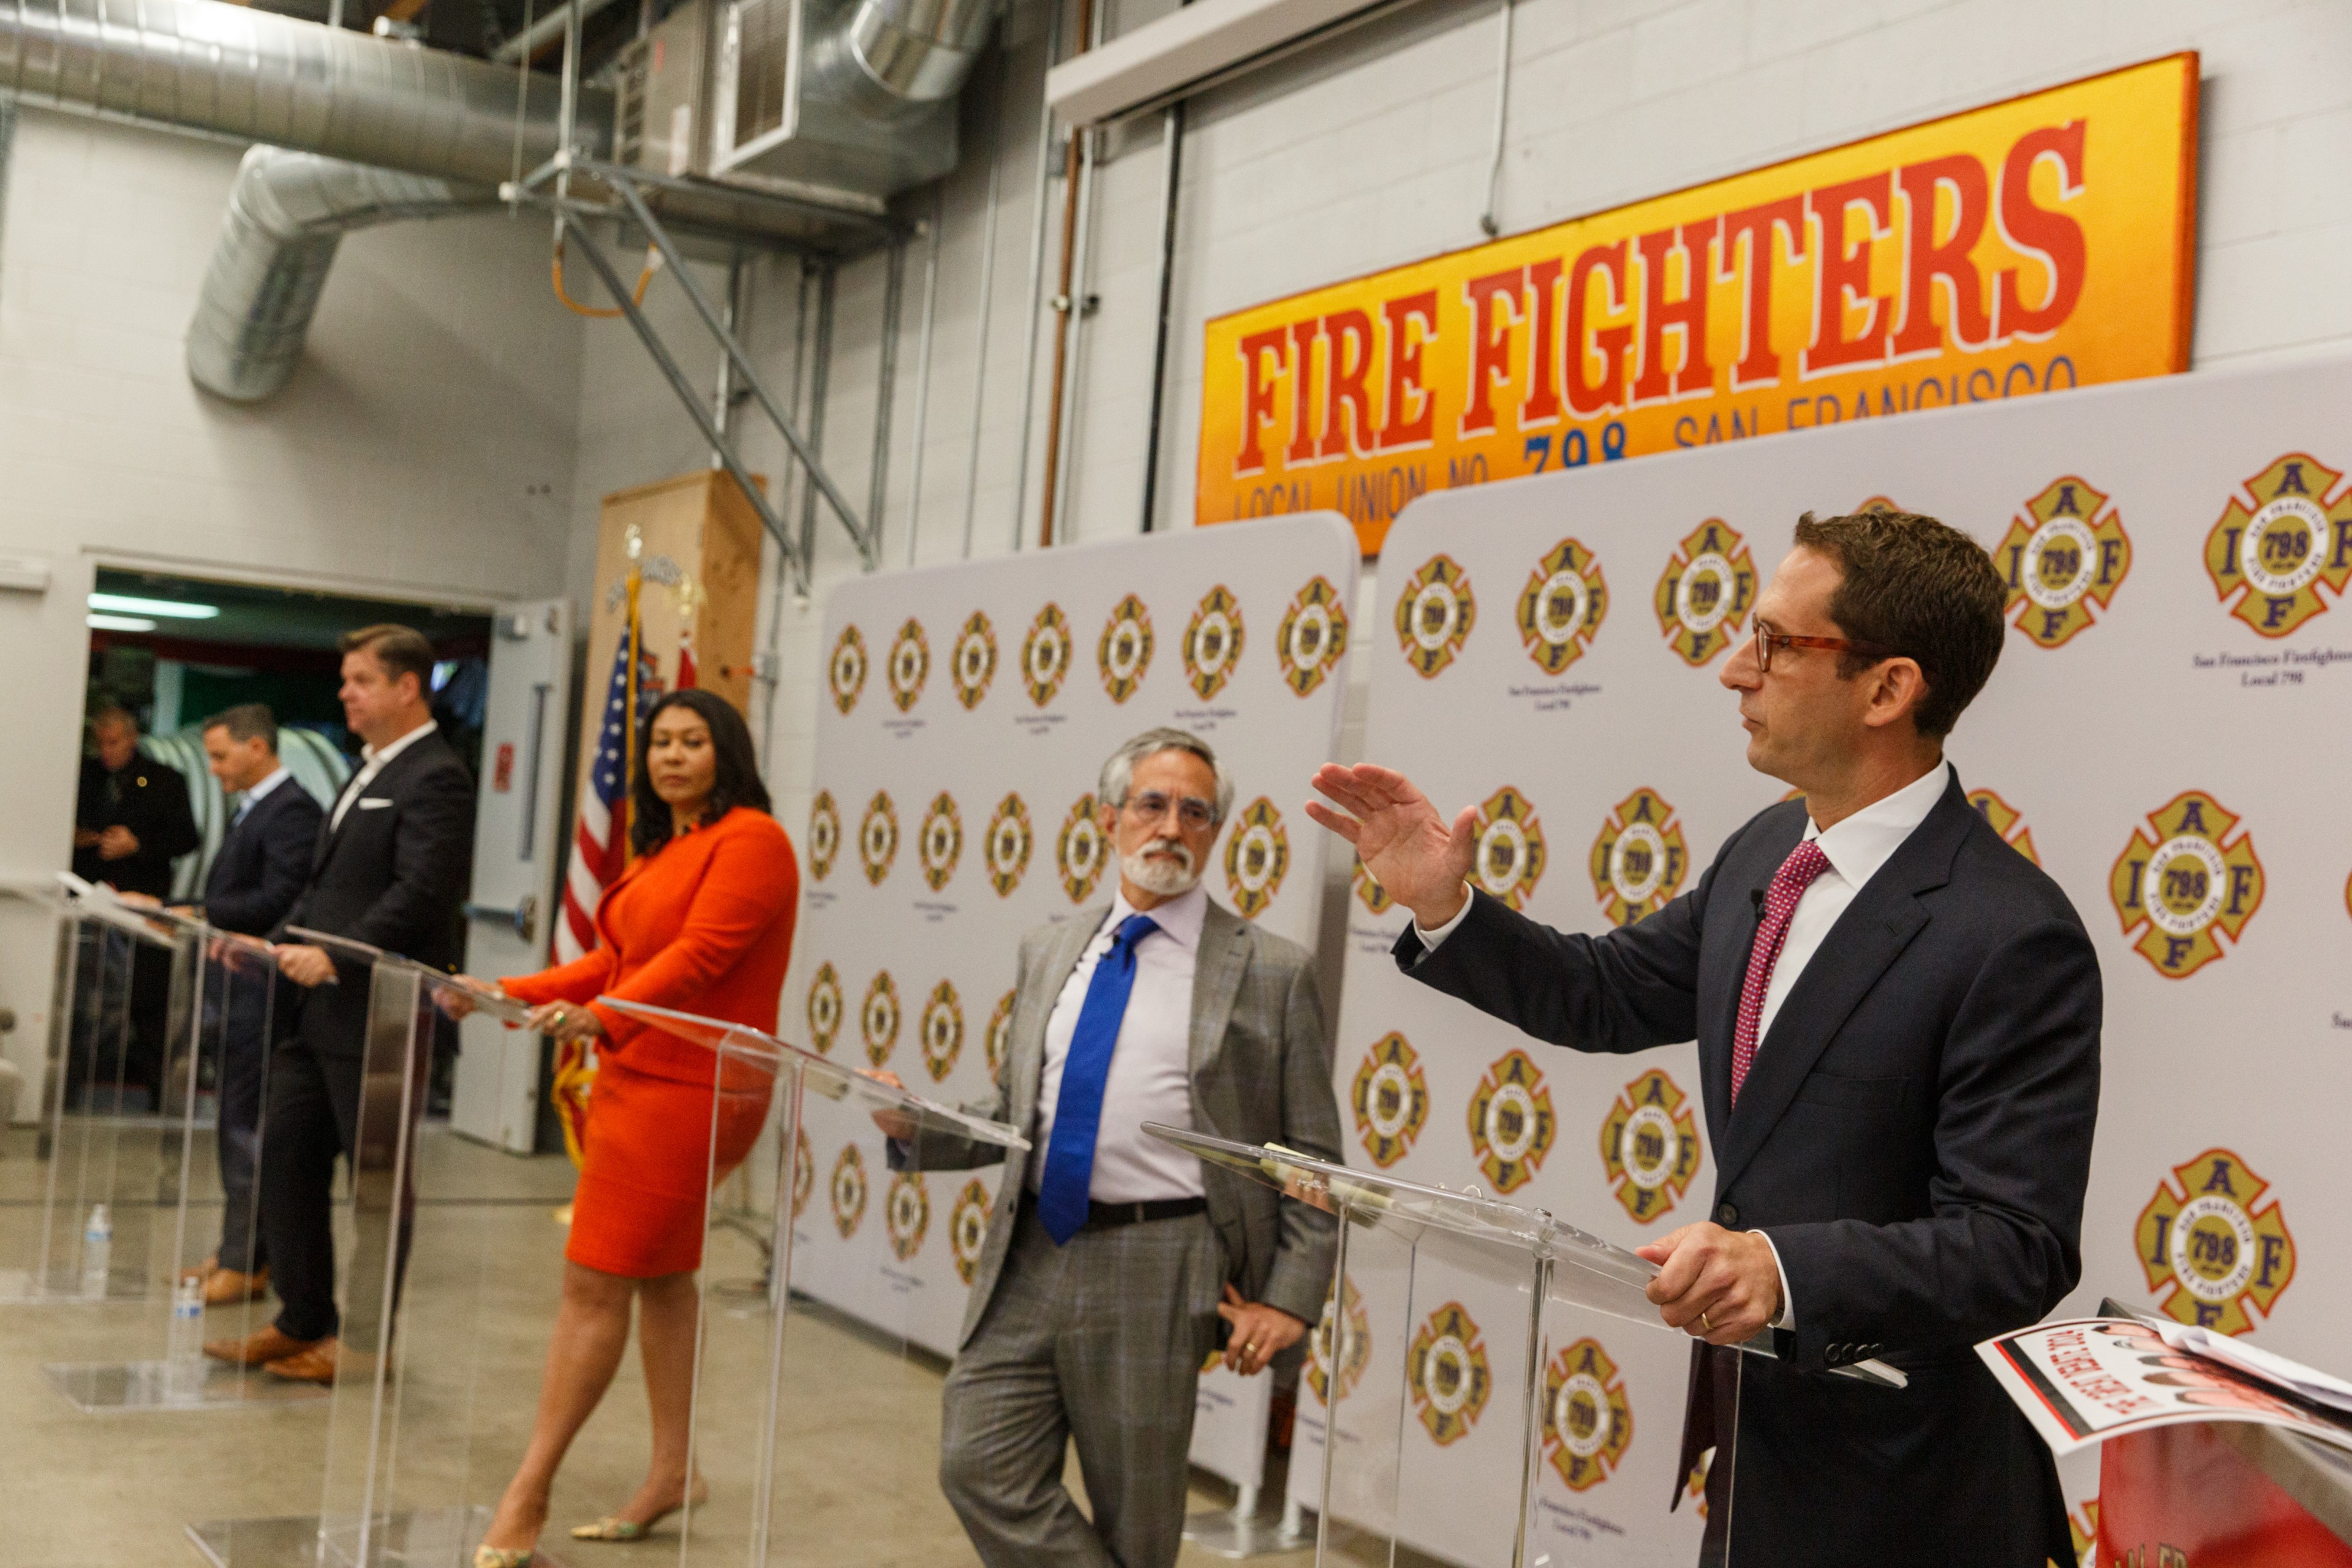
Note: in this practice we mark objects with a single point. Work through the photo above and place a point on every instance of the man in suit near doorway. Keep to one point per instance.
(258, 872)
(1112, 1257)
(132, 820)
(388, 870)
(1897, 1018)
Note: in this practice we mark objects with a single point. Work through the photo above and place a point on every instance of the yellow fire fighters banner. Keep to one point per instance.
(2040, 243)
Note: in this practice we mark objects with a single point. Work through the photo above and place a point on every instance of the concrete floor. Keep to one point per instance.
(858, 1432)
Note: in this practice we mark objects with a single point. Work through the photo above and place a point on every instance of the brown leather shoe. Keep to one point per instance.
(259, 1349)
(226, 1287)
(323, 1363)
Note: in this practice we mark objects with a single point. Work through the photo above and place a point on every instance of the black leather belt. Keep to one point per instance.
(1110, 1216)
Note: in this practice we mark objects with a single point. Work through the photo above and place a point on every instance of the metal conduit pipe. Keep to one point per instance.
(287, 214)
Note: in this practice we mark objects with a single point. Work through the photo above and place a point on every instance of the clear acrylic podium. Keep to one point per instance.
(826, 1327)
(1469, 1380)
(418, 1265)
(154, 1165)
(111, 1194)
(103, 1134)
(803, 1440)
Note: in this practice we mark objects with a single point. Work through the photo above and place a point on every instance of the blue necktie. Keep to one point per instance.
(1077, 1114)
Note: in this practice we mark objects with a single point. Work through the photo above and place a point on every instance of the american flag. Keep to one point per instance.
(600, 843)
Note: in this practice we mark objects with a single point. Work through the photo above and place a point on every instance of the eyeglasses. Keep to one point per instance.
(1192, 813)
(1766, 639)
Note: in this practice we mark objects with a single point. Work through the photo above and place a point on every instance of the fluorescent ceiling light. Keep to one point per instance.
(169, 609)
(120, 622)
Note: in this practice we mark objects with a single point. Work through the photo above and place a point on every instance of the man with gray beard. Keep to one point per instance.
(1115, 1264)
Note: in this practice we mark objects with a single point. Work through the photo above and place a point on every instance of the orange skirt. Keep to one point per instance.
(638, 1211)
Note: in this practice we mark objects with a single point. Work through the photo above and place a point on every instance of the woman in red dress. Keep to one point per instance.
(701, 921)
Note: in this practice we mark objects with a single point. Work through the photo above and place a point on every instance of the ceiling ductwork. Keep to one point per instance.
(834, 105)
(841, 102)
(226, 70)
(919, 50)
(355, 130)
(287, 214)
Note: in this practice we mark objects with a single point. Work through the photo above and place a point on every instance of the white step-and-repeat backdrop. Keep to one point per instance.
(2169, 735)
(968, 712)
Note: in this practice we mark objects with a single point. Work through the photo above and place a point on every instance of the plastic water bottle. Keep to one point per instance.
(185, 1351)
(97, 1252)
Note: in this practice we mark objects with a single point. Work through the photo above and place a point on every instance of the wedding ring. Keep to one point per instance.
(1705, 1322)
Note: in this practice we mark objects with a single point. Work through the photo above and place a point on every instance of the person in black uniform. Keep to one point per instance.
(390, 870)
(132, 820)
(263, 861)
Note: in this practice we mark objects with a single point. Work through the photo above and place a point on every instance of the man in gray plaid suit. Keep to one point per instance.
(1112, 1257)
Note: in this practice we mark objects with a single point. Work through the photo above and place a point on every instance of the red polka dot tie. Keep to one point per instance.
(1804, 863)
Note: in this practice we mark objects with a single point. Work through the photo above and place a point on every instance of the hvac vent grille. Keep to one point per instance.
(763, 72)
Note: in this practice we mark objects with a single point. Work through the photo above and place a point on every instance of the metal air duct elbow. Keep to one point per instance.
(287, 214)
(919, 50)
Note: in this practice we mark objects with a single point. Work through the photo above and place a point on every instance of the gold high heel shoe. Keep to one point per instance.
(613, 1528)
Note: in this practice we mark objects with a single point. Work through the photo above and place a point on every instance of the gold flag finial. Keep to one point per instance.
(637, 538)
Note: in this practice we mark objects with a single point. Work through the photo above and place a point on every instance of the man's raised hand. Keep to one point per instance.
(1399, 837)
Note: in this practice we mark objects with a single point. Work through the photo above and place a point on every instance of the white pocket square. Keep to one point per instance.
(374, 802)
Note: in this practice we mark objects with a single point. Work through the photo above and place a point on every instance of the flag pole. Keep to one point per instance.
(629, 727)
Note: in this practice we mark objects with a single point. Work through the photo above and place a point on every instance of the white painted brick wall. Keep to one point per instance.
(423, 449)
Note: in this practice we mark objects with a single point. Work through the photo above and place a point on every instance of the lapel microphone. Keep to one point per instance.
(1756, 897)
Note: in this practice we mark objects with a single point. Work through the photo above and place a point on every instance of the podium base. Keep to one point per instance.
(1230, 1533)
(95, 1388)
(439, 1538)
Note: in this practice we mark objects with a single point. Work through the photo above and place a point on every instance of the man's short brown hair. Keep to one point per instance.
(1922, 589)
(246, 722)
(402, 650)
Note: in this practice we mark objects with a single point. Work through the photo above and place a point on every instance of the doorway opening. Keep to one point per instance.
(173, 651)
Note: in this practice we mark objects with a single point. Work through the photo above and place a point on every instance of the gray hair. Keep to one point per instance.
(1119, 772)
(246, 722)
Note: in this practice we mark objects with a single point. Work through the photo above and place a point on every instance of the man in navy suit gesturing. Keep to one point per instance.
(1897, 1018)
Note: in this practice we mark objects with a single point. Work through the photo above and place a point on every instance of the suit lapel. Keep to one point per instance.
(327, 824)
(1217, 966)
(1867, 938)
(330, 830)
(1061, 957)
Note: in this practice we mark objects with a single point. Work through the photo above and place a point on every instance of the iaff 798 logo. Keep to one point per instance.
(2211, 1246)
(2183, 881)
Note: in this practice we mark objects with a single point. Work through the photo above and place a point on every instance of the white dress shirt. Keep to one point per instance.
(260, 792)
(1856, 847)
(1150, 1077)
(373, 761)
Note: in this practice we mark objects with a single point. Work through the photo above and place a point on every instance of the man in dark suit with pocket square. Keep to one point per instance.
(388, 870)
(1897, 1018)
(258, 872)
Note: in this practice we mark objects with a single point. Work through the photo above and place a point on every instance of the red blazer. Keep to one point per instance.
(704, 925)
